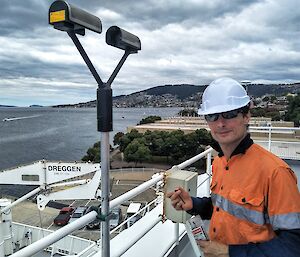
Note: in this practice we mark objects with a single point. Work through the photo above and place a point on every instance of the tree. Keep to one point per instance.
(149, 119)
(136, 152)
(273, 98)
(117, 138)
(175, 144)
(258, 112)
(188, 112)
(128, 138)
(203, 137)
(293, 111)
(93, 153)
(274, 115)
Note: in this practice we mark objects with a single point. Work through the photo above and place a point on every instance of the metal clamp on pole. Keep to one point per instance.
(100, 215)
(104, 109)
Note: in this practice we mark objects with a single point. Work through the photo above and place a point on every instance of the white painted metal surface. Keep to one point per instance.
(55, 236)
(6, 242)
(134, 241)
(25, 235)
(46, 172)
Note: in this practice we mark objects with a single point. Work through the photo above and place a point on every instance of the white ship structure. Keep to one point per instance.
(151, 235)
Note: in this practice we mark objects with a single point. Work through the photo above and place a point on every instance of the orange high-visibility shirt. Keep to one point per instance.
(253, 194)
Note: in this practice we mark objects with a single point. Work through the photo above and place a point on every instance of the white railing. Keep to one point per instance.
(26, 235)
(141, 212)
(141, 169)
(285, 146)
(48, 240)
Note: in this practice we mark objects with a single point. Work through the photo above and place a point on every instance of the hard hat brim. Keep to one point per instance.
(221, 108)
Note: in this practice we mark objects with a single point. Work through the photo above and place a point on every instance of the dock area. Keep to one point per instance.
(28, 213)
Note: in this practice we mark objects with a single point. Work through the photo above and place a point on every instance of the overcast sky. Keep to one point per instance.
(187, 41)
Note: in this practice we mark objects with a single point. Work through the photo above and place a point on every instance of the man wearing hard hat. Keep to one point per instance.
(255, 202)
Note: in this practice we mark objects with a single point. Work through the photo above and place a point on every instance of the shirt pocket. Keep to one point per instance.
(247, 208)
(246, 200)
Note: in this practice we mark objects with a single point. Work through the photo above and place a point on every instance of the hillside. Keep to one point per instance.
(184, 95)
(258, 90)
(181, 91)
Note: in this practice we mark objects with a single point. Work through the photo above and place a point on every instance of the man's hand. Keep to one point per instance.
(180, 199)
(213, 249)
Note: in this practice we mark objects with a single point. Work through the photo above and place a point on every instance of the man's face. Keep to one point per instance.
(229, 132)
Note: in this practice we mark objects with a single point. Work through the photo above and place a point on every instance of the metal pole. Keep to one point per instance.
(104, 123)
(269, 144)
(85, 57)
(208, 171)
(118, 67)
(105, 193)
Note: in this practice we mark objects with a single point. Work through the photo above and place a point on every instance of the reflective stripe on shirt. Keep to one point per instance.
(286, 221)
(280, 221)
(239, 211)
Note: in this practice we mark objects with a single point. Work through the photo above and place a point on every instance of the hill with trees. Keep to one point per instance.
(184, 95)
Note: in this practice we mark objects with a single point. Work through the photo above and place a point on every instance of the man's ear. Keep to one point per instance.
(247, 117)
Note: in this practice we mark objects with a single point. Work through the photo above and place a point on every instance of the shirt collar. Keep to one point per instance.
(241, 148)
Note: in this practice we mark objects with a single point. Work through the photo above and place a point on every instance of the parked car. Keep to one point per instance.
(63, 216)
(78, 213)
(115, 218)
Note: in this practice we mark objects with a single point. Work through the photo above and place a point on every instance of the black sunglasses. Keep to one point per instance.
(226, 115)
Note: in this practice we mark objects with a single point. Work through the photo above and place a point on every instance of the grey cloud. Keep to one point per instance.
(182, 42)
(21, 17)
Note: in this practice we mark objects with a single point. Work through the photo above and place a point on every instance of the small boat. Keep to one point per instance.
(20, 118)
(8, 119)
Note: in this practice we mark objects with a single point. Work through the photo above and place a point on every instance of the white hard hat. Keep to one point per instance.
(222, 95)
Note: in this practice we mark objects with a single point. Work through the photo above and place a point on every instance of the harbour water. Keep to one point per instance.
(30, 134)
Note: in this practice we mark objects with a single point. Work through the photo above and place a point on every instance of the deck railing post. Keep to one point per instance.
(270, 135)
(208, 171)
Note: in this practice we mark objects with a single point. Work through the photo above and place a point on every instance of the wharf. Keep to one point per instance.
(28, 213)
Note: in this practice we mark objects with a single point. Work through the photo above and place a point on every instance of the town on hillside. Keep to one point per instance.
(189, 96)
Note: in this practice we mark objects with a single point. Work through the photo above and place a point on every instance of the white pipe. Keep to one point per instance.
(194, 159)
(21, 199)
(76, 182)
(274, 128)
(177, 233)
(269, 145)
(208, 171)
(134, 192)
(55, 236)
